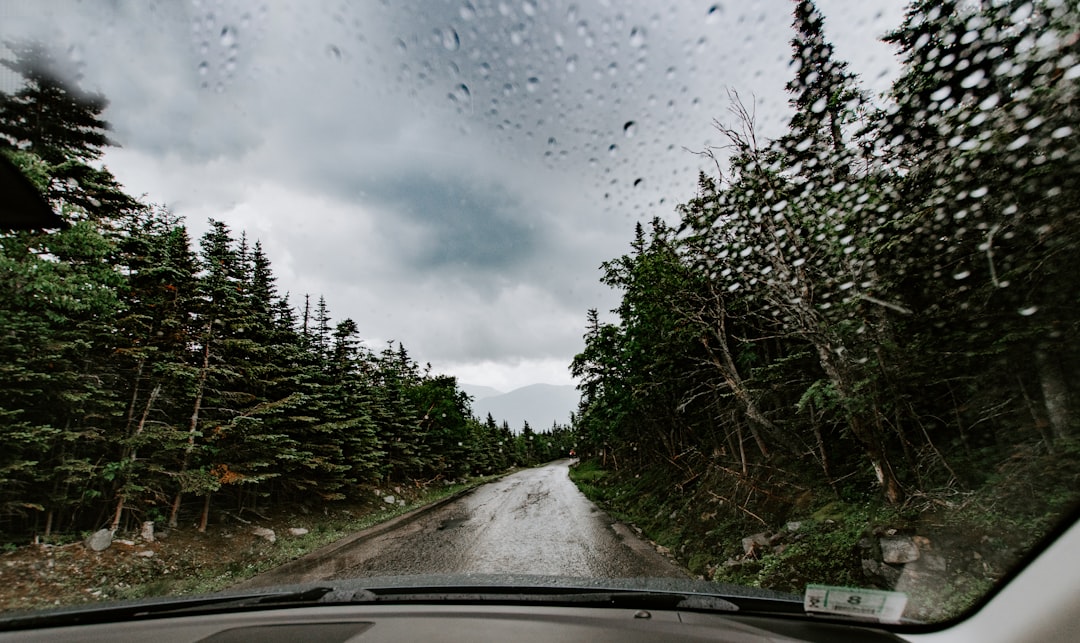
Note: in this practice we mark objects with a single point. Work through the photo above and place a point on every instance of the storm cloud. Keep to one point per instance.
(450, 175)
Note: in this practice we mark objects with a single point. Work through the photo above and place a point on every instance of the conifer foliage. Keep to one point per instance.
(147, 378)
(878, 299)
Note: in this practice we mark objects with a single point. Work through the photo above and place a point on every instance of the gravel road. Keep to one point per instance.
(531, 522)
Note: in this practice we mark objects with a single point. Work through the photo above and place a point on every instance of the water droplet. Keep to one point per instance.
(629, 129)
(941, 94)
(228, 36)
(204, 68)
(637, 37)
(638, 182)
(467, 11)
(1029, 311)
(532, 84)
(713, 14)
(963, 274)
(461, 95)
(402, 47)
(450, 39)
(333, 51)
(612, 149)
(529, 7)
(571, 63)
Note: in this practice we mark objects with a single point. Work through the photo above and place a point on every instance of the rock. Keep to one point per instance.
(794, 525)
(263, 532)
(663, 550)
(147, 531)
(123, 541)
(297, 531)
(897, 550)
(100, 540)
(162, 535)
(146, 553)
(389, 500)
(934, 563)
(878, 571)
(401, 502)
(753, 543)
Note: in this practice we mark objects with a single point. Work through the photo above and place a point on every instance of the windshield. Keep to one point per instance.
(765, 295)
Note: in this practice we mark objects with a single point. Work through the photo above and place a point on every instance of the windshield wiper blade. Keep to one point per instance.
(535, 596)
(166, 607)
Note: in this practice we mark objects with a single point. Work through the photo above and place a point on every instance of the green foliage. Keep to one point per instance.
(146, 378)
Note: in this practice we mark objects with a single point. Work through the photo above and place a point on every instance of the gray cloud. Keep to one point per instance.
(448, 174)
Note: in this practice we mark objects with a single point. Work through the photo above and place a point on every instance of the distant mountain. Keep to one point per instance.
(540, 404)
(479, 392)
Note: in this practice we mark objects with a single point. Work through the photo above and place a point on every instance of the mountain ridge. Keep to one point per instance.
(540, 405)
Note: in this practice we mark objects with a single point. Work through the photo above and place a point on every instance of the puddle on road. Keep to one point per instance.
(452, 523)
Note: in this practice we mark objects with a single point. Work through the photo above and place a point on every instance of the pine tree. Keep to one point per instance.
(62, 126)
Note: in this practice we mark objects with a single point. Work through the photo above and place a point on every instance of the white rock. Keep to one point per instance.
(100, 540)
(389, 500)
(263, 532)
(297, 531)
(898, 550)
(146, 553)
(147, 531)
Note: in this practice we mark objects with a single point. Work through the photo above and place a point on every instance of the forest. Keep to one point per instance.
(878, 306)
(144, 377)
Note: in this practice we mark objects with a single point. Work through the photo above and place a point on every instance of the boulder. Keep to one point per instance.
(882, 574)
(897, 550)
(100, 540)
(756, 542)
(389, 500)
(267, 534)
(147, 531)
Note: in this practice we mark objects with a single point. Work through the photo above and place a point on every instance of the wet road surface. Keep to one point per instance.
(531, 522)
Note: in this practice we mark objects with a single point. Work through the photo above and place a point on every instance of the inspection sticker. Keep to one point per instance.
(881, 606)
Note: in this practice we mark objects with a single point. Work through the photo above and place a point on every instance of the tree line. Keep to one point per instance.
(883, 297)
(143, 377)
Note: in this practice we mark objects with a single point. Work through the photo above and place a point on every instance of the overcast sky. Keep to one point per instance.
(447, 174)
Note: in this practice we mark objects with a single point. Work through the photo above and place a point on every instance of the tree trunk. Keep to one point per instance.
(865, 432)
(192, 428)
(1055, 394)
(134, 453)
(205, 514)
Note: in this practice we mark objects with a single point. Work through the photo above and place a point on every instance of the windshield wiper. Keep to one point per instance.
(465, 595)
(84, 614)
(535, 596)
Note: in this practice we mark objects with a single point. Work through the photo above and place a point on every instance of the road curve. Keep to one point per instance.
(531, 522)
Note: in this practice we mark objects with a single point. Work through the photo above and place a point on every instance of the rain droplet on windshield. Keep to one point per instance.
(450, 39)
(629, 129)
(228, 36)
(637, 37)
(713, 14)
